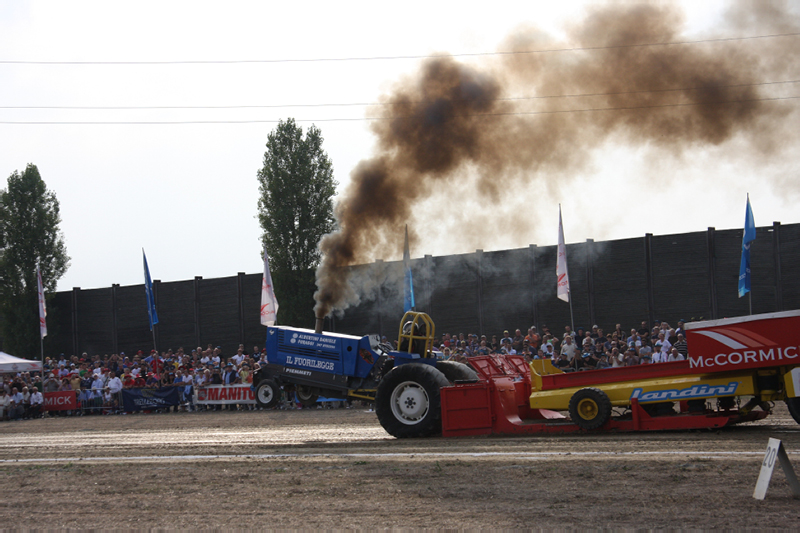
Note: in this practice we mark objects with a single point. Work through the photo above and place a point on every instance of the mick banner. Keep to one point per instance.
(224, 394)
(139, 399)
(60, 401)
(753, 341)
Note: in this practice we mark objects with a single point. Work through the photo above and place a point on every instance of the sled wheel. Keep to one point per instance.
(455, 371)
(268, 393)
(794, 408)
(590, 408)
(407, 401)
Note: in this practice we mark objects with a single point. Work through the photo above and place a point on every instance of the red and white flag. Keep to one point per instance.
(561, 266)
(42, 308)
(269, 304)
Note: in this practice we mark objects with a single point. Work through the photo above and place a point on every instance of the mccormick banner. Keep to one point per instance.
(753, 341)
(138, 399)
(60, 401)
(224, 394)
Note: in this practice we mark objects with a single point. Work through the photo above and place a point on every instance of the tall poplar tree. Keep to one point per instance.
(29, 233)
(295, 210)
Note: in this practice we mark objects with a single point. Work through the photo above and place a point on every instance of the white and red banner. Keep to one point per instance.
(561, 265)
(60, 401)
(753, 341)
(269, 304)
(42, 308)
(224, 394)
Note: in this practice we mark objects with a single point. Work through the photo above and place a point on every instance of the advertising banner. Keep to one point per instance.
(60, 401)
(139, 399)
(224, 394)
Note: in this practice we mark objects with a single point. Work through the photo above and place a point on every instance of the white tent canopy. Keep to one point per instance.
(9, 364)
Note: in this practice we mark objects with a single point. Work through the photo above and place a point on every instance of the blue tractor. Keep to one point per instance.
(403, 384)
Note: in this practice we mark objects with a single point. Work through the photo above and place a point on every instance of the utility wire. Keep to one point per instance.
(364, 104)
(523, 113)
(386, 58)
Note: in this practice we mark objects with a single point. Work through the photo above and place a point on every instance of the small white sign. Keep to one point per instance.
(775, 451)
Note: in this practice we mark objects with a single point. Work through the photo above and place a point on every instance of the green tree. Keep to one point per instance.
(295, 209)
(29, 233)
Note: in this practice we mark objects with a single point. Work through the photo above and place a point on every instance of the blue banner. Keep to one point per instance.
(148, 289)
(408, 285)
(138, 399)
(748, 237)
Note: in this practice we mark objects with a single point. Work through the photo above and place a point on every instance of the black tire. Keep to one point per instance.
(455, 371)
(590, 408)
(408, 403)
(306, 396)
(794, 408)
(268, 393)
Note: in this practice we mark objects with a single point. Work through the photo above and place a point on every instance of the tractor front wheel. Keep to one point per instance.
(407, 401)
(268, 393)
(590, 408)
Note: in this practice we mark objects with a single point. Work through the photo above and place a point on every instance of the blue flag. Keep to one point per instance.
(408, 286)
(748, 237)
(148, 289)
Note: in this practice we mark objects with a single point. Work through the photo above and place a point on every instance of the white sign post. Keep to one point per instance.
(775, 451)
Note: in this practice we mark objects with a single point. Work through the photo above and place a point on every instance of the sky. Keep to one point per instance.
(175, 173)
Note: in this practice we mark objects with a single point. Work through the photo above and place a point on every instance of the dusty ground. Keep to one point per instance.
(339, 469)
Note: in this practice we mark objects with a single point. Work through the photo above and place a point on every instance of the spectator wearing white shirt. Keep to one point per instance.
(114, 383)
(568, 348)
(4, 402)
(37, 402)
(675, 355)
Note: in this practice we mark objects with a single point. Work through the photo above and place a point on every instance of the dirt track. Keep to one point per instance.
(338, 468)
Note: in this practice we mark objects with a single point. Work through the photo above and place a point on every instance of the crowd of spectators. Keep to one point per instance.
(577, 350)
(98, 379)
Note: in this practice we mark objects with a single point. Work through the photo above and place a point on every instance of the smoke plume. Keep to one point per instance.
(456, 123)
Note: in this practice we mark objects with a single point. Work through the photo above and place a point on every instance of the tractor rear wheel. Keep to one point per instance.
(268, 393)
(590, 408)
(455, 371)
(306, 396)
(407, 401)
(794, 408)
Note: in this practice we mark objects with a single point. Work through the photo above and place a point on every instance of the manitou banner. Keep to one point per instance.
(60, 401)
(224, 394)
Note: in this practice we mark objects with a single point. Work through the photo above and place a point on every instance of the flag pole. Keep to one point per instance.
(571, 318)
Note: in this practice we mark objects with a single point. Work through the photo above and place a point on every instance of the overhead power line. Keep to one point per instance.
(521, 113)
(364, 104)
(387, 58)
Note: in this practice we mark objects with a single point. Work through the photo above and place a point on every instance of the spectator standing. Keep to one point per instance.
(568, 348)
(114, 383)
